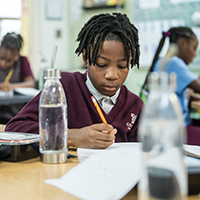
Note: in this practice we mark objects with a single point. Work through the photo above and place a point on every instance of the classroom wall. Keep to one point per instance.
(43, 36)
(25, 29)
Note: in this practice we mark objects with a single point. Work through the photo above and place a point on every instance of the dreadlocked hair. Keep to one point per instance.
(115, 26)
(174, 35)
(12, 41)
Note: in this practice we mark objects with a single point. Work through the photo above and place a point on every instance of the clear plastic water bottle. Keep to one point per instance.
(162, 134)
(53, 119)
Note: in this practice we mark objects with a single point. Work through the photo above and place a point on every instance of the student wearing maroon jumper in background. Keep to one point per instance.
(10, 59)
(109, 47)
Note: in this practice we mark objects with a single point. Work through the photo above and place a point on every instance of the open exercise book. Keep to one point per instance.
(106, 174)
(27, 91)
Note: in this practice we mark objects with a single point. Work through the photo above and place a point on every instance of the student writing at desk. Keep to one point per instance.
(15, 72)
(187, 43)
(109, 47)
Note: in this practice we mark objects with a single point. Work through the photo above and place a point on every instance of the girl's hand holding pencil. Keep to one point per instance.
(6, 86)
(8, 76)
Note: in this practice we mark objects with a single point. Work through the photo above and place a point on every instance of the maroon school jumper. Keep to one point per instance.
(82, 112)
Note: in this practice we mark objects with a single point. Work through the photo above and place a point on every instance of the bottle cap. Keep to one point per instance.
(153, 80)
(159, 80)
(164, 80)
(52, 73)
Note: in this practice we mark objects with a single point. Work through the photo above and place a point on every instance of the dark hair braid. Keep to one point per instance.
(12, 41)
(174, 35)
(115, 26)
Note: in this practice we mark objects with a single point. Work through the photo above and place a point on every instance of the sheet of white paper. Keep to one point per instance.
(192, 150)
(27, 91)
(104, 175)
(84, 153)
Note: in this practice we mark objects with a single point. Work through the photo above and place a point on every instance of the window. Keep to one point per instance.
(10, 13)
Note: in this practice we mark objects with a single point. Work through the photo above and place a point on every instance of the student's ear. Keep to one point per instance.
(85, 61)
(182, 43)
(16, 56)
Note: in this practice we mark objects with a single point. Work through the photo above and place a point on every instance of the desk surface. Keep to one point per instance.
(25, 180)
(15, 99)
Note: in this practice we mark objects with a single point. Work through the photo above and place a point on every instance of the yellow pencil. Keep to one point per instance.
(8, 76)
(99, 110)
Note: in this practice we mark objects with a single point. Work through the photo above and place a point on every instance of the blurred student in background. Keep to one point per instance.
(187, 43)
(17, 68)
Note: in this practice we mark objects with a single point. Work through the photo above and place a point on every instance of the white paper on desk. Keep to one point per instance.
(84, 153)
(105, 175)
(27, 91)
(192, 150)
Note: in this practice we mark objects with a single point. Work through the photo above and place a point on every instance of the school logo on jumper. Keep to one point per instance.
(130, 124)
